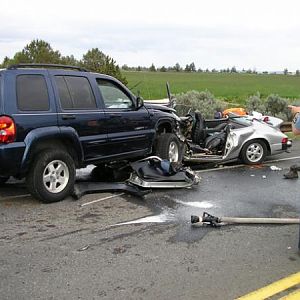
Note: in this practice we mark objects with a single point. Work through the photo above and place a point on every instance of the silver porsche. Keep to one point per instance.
(230, 139)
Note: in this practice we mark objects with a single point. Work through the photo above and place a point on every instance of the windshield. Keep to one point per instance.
(241, 120)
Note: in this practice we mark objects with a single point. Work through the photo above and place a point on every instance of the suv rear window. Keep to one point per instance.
(75, 92)
(32, 93)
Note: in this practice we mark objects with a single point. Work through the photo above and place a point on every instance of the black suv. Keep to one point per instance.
(54, 119)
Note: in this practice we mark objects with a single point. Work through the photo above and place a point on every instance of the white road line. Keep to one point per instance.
(243, 165)
(102, 199)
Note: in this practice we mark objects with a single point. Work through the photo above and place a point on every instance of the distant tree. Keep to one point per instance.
(152, 68)
(297, 73)
(139, 68)
(187, 68)
(125, 67)
(200, 70)
(207, 71)
(285, 71)
(177, 67)
(233, 70)
(192, 67)
(96, 61)
(163, 69)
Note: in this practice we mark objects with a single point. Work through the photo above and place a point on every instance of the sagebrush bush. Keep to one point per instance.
(277, 106)
(203, 102)
(255, 103)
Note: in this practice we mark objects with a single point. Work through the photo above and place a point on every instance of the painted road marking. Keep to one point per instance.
(102, 199)
(275, 288)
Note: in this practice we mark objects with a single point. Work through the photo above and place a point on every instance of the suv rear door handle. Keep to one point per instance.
(68, 117)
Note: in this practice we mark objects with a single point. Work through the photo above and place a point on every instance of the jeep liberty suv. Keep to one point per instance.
(55, 118)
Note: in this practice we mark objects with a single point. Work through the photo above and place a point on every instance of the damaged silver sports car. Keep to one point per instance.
(230, 139)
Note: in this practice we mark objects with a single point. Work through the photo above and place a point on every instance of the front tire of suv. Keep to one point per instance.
(52, 176)
(169, 147)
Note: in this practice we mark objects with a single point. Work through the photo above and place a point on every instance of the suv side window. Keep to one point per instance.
(32, 93)
(75, 92)
(113, 96)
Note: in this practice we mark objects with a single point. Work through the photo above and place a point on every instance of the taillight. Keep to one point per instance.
(7, 130)
(284, 140)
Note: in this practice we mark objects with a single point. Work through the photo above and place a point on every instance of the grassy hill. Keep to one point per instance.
(230, 87)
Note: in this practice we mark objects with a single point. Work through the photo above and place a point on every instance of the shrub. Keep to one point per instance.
(255, 103)
(203, 102)
(277, 106)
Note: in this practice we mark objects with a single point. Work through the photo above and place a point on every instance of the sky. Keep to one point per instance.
(256, 34)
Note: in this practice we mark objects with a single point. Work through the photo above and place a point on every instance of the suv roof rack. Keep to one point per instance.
(36, 65)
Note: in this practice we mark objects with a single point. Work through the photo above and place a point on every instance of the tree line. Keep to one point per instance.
(39, 51)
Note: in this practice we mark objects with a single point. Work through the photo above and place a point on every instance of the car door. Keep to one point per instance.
(78, 109)
(129, 128)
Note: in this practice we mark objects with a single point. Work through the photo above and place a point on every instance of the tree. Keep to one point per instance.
(285, 71)
(297, 73)
(187, 68)
(177, 67)
(192, 67)
(163, 69)
(69, 60)
(152, 68)
(233, 70)
(37, 51)
(96, 61)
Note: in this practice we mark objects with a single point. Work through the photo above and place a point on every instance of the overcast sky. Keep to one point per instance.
(259, 34)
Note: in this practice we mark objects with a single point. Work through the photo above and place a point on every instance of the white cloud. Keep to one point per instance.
(261, 34)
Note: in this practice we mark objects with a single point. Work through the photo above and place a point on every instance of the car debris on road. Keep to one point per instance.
(142, 176)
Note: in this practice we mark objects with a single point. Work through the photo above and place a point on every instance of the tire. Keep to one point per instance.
(254, 152)
(3, 179)
(169, 147)
(52, 176)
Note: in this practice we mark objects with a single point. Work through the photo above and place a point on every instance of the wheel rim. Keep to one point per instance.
(56, 176)
(254, 152)
(173, 152)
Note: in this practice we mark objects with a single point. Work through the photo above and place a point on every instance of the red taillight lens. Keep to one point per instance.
(7, 130)
(284, 140)
(266, 119)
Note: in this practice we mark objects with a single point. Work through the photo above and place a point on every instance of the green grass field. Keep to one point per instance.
(234, 88)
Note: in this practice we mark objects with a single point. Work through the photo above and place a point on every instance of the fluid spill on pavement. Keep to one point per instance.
(161, 218)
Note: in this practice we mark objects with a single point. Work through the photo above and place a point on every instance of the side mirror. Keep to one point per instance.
(139, 102)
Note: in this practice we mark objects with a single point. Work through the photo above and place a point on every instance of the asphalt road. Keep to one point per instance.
(68, 251)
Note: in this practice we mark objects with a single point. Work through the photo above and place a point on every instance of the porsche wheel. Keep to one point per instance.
(254, 152)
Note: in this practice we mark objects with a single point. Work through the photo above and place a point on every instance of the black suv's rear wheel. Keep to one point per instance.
(52, 176)
(169, 147)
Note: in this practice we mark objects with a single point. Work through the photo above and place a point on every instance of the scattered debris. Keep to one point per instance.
(84, 248)
(142, 176)
(252, 175)
(275, 168)
(264, 177)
